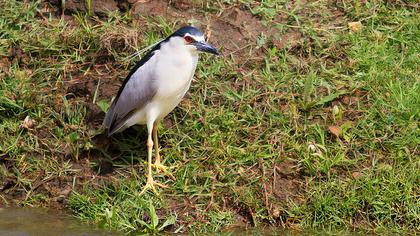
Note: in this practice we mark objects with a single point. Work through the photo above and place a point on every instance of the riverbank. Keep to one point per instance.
(309, 119)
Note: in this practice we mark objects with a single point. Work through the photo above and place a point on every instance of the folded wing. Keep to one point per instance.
(136, 91)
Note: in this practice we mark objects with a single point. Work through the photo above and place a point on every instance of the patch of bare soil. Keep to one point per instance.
(283, 182)
(233, 30)
(54, 189)
(86, 88)
(98, 7)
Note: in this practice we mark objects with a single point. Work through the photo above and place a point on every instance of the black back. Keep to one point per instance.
(180, 32)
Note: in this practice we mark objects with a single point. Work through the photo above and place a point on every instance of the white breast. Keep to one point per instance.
(176, 69)
(174, 79)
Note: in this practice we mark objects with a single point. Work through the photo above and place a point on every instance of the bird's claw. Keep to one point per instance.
(164, 169)
(150, 184)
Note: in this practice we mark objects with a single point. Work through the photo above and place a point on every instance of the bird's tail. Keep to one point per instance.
(108, 120)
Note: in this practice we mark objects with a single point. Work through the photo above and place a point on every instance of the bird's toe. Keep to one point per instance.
(151, 184)
(164, 169)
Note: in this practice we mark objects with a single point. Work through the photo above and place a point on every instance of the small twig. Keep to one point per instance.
(254, 223)
(265, 189)
(268, 93)
(274, 177)
(95, 95)
(208, 32)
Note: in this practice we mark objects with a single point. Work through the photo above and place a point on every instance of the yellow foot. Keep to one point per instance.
(150, 184)
(164, 169)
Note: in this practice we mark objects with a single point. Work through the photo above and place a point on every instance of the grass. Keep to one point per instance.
(322, 133)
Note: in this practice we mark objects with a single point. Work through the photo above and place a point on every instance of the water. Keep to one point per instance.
(43, 222)
(47, 222)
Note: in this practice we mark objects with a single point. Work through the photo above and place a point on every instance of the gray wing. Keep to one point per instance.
(138, 89)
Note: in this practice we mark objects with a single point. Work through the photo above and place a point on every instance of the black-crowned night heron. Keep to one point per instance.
(155, 86)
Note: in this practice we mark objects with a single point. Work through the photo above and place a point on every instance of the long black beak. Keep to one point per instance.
(205, 47)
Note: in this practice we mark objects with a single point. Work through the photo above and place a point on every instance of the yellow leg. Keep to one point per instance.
(157, 164)
(150, 184)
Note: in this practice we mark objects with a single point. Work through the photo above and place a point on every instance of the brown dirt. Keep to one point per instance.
(235, 29)
(98, 7)
(56, 188)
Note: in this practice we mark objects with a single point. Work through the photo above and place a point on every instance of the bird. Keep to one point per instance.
(154, 87)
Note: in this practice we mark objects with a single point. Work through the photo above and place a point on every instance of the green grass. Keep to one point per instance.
(252, 143)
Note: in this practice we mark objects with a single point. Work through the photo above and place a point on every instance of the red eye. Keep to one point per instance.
(188, 39)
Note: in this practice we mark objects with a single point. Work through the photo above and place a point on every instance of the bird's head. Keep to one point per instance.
(193, 39)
